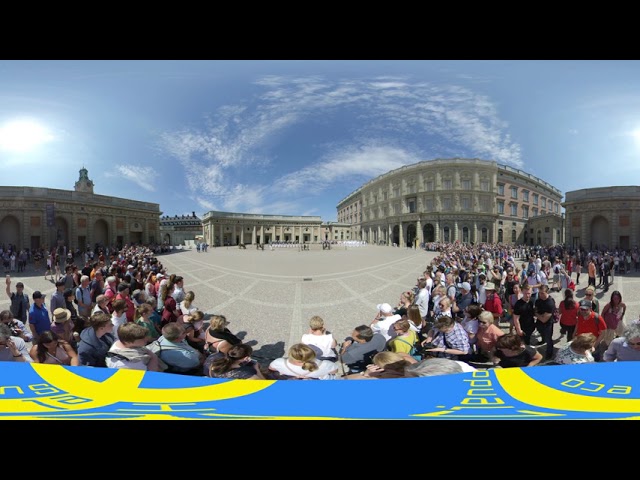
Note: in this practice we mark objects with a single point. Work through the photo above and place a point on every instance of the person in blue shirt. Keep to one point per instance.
(39, 321)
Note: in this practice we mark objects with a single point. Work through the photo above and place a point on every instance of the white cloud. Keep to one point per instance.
(423, 120)
(144, 177)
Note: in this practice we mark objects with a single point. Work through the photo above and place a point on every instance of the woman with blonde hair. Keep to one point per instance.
(193, 327)
(385, 365)
(487, 335)
(405, 339)
(186, 306)
(406, 300)
(302, 364)
(579, 350)
(218, 336)
(320, 340)
(143, 318)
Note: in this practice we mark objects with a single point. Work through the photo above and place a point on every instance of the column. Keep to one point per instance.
(389, 233)
(401, 241)
(634, 228)
(379, 235)
(233, 235)
(73, 232)
(220, 234)
(474, 233)
(262, 234)
(455, 230)
(585, 237)
(26, 230)
(253, 235)
(114, 233)
(370, 235)
(419, 232)
(437, 230)
(242, 233)
(615, 224)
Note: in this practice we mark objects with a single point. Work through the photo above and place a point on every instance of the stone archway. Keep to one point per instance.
(411, 234)
(600, 229)
(395, 237)
(166, 239)
(101, 233)
(61, 232)
(429, 233)
(10, 232)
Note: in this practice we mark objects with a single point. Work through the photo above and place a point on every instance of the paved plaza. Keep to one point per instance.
(269, 296)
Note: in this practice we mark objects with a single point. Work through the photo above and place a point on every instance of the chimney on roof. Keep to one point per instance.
(194, 214)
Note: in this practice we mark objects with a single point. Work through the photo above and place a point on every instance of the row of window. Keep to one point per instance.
(513, 210)
(525, 197)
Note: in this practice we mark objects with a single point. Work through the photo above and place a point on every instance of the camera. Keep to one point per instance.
(349, 339)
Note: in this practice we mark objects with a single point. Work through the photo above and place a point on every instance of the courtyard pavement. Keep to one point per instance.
(269, 296)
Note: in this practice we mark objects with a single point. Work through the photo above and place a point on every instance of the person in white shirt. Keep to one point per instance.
(422, 298)
(322, 340)
(119, 315)
(383, 322)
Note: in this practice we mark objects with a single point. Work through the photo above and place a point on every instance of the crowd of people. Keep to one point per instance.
(473, 306)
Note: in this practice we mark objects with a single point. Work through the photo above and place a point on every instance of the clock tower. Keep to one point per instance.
(83, 184)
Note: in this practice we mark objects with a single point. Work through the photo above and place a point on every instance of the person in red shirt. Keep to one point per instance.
(568, 314)
(493, 303)
(589, 321)
(123, 294)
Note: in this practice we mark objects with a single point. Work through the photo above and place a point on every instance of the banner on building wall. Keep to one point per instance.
(51, 215)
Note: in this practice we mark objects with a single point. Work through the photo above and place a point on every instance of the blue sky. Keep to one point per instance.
(295, 137)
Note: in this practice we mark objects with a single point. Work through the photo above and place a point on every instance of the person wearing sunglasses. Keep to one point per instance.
(589, 321)
(625, 349)
(12, 349)
(590, 294)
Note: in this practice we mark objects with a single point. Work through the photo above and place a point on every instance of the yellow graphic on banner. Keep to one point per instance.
(525, 389)
(65, 390)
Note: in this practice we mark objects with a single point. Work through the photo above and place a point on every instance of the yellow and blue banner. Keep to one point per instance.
(594, 391)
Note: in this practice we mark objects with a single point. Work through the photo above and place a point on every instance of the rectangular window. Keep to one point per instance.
(412, 188)
(484, 204)
(466, 204)
(428, 204)
(484, 185)
(411, 205)
(514, 209)
(525, 211)
(384, 196)
(35, 221)
(446, 203)
(447, 184)
(514, 192)
(428, 185)
(375, 199)
(501, 208)
(525, 195)
(547, 229)
(535, 199)
(544, 202)
(500, 189)
(466, 184)
(396, 192)
(535, 212)
(556, 208)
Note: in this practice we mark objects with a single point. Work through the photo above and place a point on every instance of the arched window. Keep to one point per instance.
(500, 239)
(513, 236)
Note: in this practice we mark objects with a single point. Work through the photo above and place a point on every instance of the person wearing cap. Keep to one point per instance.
(493, 303)
(19, 300)
(383, 322)
(38, 316)
(589, 321)
(62, 325)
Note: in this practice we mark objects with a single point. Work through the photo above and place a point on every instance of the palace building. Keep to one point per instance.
(33, 217)
(449, 200)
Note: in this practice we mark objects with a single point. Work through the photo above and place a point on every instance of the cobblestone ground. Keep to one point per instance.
(269, 296)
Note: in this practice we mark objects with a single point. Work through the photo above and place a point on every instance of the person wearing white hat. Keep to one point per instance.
(493, 303)
(383, 322)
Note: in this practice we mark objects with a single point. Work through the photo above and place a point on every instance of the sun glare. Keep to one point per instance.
(23, 135)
